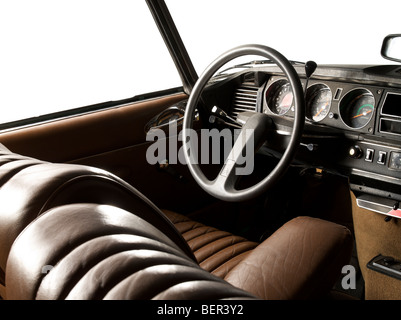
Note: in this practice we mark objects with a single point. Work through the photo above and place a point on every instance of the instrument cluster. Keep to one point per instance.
(337, 104)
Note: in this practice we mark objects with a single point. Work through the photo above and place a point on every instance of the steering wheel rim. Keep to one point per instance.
(222, 187)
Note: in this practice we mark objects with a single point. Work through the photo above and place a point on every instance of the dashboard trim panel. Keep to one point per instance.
(376, 176)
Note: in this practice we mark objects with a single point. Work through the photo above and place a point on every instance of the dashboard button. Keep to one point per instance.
(369, 155)
(382, 157)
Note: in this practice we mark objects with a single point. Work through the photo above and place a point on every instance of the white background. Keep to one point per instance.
(59, 54)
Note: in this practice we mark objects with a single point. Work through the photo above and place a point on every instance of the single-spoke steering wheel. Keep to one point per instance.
(252, 132)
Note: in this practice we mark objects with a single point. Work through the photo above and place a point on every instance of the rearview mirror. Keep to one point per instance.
(391, 48)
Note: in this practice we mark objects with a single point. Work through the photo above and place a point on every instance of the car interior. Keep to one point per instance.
(85, 215)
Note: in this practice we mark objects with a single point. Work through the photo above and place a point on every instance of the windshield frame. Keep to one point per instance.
(174, 43)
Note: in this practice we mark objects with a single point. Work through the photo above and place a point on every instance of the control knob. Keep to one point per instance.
(355, 152)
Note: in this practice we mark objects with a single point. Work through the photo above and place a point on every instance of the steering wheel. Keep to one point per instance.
(254, 131)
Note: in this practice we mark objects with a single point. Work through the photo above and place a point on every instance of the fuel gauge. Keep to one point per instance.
(357, 107)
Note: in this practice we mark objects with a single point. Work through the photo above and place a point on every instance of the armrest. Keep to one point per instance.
(301, 260)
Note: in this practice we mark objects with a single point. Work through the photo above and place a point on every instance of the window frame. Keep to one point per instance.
(174, 43)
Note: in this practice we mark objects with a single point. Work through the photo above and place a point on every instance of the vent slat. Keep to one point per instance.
(246, 94)
(247, 87)
(244, 103)
(238, 110)
(246, 91)
(244, 99)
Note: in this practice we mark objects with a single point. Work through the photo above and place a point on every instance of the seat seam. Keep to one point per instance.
(209, 233)
(220, 249)
(231, 256)
(191, 225)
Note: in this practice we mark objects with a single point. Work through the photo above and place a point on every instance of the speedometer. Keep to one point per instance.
(318, 102)
(356, 108)
(279, 97)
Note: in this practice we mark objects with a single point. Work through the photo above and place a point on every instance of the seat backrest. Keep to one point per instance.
(91, 251)
(30, 187)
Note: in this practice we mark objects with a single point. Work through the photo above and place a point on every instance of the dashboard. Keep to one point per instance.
(352, 124)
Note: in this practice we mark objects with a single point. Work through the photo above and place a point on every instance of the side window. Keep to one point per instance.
(61, 55)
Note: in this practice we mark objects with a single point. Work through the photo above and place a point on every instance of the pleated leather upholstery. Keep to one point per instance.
(216, 251)
(30, 187)
(90, 251)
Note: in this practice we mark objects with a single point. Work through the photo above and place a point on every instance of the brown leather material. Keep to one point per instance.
(30, 187)
(87, 134)
(216, 251)
(301, 260)
(78, 232)
(89, 251)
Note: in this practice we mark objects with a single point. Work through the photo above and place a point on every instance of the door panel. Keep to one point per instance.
(114, 140)
(88, 134)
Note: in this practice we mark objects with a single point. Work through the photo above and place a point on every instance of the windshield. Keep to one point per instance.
(328, 32)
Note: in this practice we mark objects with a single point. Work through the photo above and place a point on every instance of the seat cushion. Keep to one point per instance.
(216, 251)
(301, 260)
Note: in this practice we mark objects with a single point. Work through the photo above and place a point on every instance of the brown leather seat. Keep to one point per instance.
(71, 231)
(299, 260)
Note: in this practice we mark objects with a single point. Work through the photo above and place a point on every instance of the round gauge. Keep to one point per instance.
(279, 97)
(318, 102)
(356, 108)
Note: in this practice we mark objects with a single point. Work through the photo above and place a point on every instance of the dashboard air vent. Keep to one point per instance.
(245, 98)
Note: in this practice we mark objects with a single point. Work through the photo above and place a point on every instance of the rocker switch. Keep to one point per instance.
(369, 155)
(382, 157)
